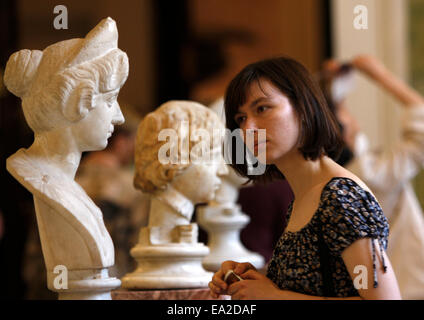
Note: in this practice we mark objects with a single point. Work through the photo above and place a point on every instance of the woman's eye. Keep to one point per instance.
(261, 109)
(240, 119)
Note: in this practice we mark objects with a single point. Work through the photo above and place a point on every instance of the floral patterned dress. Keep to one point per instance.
(309, 261)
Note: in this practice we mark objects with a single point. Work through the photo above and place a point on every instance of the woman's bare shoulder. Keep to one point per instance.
(335, 170)
(344, 173)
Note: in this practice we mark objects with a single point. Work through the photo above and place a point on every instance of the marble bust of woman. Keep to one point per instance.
(173, 166)
(69, 99)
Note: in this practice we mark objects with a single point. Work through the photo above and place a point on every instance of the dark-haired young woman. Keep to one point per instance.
(336, 235)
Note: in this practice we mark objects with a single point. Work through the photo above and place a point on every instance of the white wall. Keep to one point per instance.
(387, 39)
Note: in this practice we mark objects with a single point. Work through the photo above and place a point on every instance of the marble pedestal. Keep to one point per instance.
(223, 224)
(167, 266)
(85, 285)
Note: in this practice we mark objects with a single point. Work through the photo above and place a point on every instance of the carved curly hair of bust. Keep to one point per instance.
(151, 174)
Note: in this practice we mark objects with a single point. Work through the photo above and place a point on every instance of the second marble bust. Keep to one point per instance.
(178, 160)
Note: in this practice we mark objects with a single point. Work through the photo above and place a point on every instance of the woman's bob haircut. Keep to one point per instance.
(319, 132)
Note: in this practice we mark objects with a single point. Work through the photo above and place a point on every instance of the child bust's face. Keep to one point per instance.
(199, 182)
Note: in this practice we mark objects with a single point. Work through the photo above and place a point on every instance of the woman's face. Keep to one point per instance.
(267, 108)
(91, 133)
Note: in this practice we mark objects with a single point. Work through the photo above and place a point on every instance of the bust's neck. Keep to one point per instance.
(57, 149)
(175, 201)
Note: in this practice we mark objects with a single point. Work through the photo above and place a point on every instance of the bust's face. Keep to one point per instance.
(200, 181)
(91, 133)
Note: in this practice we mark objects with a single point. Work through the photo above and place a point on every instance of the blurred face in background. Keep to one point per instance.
(123, 146)
(339, 84)
(350, 125)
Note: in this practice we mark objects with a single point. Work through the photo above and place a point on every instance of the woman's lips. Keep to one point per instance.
(258, 145)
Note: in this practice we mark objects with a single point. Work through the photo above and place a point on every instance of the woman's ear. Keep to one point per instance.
(79, 103)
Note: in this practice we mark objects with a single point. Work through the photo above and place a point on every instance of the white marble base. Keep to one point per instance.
(223, 224)
(85, 285)
(168, 266)
(85, 296)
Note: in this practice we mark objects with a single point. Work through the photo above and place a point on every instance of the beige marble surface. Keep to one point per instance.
(181, 294)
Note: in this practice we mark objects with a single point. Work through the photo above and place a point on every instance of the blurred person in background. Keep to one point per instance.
(387, 172)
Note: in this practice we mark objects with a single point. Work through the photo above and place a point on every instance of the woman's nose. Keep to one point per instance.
(249, 124)
(118, 117)
(249, 128)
